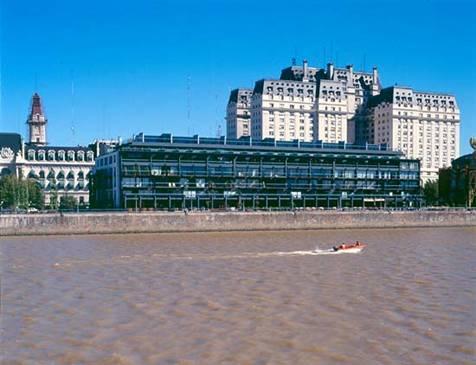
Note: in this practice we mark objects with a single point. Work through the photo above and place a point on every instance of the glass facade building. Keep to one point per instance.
(168, 172)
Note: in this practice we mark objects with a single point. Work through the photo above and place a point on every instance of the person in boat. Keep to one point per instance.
(341, 247)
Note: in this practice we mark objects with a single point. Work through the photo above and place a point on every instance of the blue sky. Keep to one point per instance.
(142, 65)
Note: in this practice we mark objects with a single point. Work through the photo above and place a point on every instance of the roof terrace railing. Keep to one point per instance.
(248, 141)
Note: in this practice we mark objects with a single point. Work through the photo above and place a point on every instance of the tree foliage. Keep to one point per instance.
(68, 202)
(20, 193)
(430, 192)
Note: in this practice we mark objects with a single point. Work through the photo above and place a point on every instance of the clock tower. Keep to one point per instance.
(36, 122)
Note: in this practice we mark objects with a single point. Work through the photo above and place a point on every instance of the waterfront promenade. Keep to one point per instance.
(207, 221)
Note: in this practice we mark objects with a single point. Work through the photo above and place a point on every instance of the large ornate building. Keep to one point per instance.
(343, 105)
(59, 170)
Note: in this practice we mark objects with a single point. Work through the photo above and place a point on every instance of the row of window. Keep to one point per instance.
(61, 175)
(59, 155)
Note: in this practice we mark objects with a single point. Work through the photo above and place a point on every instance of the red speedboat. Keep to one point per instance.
(350, 247)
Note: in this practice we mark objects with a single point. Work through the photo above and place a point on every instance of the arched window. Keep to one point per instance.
(90, 156)
(31, 155)
(51, 155)
(41, 155)
(51, 175)
(80, 155)
(42, 174)
(61, 175)
(70, 155)
(61, 155)
(32, 175)
(80, 175)
(71, 176)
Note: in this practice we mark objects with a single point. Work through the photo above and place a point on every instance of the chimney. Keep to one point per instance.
(330, 70)
(374, 75)
(305, 70)
(350, 68)
(375, 83)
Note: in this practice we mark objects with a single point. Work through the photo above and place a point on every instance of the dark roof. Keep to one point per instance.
(296, 73)
(386, 95)
(11, 140)
(464, 160)
(258, 87)
(57, 148)
(236, 92)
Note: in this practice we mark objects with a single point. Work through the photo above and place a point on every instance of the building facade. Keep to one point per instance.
(283, 109)
(238, 114)
(422, 125)
(167, 172)
(341, 104)
(305, 103)
(59, 170)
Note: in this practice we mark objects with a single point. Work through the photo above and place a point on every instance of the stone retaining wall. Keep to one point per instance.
(90, 223)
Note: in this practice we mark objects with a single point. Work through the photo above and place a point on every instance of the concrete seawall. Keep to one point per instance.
(91, 223)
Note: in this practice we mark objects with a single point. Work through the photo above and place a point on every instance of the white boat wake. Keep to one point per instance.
(247, 255)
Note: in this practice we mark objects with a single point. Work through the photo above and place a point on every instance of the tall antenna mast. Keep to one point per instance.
(189, 103)
(73, 131)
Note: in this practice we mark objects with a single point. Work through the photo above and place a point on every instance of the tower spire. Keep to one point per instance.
(36, 122)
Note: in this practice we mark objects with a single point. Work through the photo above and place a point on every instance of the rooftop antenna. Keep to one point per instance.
(293, 61)
(73, 131)
(332, 50)
(189, 104)
(219, 131)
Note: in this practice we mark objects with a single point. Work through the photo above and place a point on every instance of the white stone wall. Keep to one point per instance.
(286, 115)
(65, 178)
(424, 126)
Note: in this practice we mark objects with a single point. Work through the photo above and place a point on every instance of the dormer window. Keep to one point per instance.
(89, 156)
(61, 155)
(31, 155)
(70, 155)
(41, 155)
(80, 155)
(51, 155)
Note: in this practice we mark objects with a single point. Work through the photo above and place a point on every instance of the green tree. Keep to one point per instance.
(430, 192)
(53, 199)
(20, 193)
(68, 202)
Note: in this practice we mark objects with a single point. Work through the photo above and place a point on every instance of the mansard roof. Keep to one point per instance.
(10, 140)
(236, 92)
(386, 95)
(296, 73)
(57, 148)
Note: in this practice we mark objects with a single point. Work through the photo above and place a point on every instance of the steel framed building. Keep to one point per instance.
(168, 172)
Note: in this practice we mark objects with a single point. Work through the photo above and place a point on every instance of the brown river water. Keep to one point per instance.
(240, 298)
